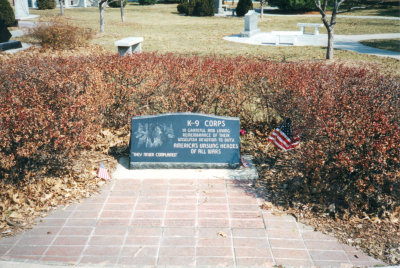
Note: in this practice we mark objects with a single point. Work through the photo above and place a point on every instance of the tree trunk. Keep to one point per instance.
(101, 7)
(122, 11)
(62, 7)
(261, 8)
(330, 26)
(329, 50)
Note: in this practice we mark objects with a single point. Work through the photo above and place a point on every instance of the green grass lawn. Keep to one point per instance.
(392, 10)
(388, 44)
(164, 30)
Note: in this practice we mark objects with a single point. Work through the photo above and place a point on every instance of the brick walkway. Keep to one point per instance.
(191, 222)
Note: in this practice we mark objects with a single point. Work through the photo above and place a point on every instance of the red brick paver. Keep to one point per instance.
(177, 222)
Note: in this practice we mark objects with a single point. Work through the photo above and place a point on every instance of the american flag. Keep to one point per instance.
(282, 136)
(245, 163)
(103, 174)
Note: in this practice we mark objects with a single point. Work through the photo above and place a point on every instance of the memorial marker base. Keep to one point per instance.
(175, 165)
(10, 45)
(240, 173)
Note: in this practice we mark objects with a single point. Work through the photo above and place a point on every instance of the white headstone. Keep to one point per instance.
(66, 3)
(82, 3)
(218, 7)
(32, 3)
(21, 9)
(250, 24)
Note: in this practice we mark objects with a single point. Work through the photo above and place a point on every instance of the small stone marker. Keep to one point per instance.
(218, 10)
(250, 24)
(32, 3)
(83, 3)
(5, 36)
(184, 140)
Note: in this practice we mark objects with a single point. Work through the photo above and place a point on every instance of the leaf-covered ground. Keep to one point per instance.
(44, 190)
(377, 236)
(40, 193)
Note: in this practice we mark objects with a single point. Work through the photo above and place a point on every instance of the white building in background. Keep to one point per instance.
(78, 3)
(68, 3)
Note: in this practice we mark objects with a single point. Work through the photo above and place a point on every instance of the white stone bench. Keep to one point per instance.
(286, 37)
(129, 45)
(315, 25)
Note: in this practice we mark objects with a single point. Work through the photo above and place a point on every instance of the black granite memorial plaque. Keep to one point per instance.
(184, 140)
(5, 36)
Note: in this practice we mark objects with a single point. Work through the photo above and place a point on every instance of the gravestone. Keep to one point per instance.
(66, 3)
(184, 140)
(250, 24)
(5, 36)
(218, 10)
(21, 9)
(83, 3)
(32, 4)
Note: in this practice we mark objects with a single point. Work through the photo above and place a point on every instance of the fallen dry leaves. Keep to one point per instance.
(38, 51)
(377, 236)
(221, 234)
(44, 190)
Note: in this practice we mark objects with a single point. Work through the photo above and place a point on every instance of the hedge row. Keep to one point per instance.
(47, 111)
(309, 5)
(117, 3)
(199, 8)
(46, 4)
(350, 122)
(293, 5)
(51, 108)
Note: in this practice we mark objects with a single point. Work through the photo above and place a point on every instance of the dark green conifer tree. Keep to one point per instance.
(243, 7)
(6, 13)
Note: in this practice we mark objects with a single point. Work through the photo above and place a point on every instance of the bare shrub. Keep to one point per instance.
(58, 33)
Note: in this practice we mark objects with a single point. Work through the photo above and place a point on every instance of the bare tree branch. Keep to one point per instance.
(324, 6)
(329, 25)
(318, 5)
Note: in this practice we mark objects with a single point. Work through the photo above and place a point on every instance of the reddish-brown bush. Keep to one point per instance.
(50, 107)
(150, 84)
(59, 34)
(351, 131)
